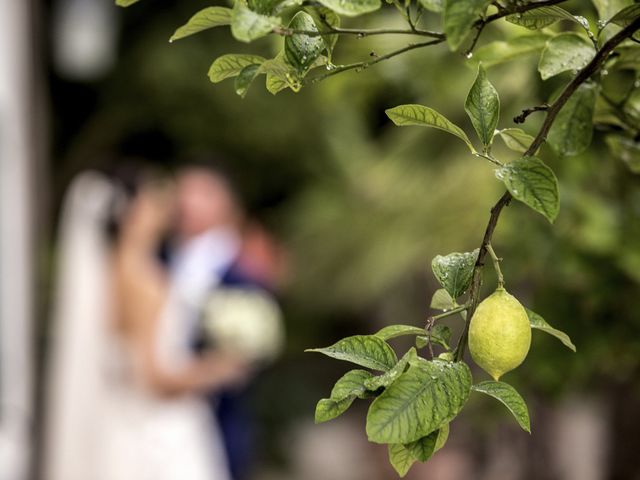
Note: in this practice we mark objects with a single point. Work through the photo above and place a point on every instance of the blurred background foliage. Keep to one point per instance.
(363, 207)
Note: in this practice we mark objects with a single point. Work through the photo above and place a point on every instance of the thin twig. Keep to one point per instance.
(552, 112)
(287, 32)
(528, 111)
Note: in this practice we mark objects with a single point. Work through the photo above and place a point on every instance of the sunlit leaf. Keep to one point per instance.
(441, 300)
(401, 458)
(455, 271)
(328, 408)
(231, 64)
(483, 107)
(365, 350)
(423, 399)
(563, 53)
(533, 183)
(207, 18)
(516, 139)
(508, 395)
(539, 323)
(393, 331)
(419, 115)
(247, 25)
(352, 8)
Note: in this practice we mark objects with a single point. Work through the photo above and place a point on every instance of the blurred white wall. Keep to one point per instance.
(17, 151)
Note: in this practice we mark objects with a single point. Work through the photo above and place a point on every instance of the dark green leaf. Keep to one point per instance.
(483, 107)
(573, 128)
(516, 139)
(508, 395)
(247, 25)
(563, 53)
(393, 331)
(440, 335)
(245, 78)
(231, 65)
(539, 323)
(328, 409)
(532, 182)
(627, 15)
(608, 8)
(419, 115)
(540, 17)
(365, 350)
(352, 8)
(423, 399)
(424, 448)
(626, 150)
(455, 271)
(208, 18)
(459, 17)
(301, 50)
(325, 20)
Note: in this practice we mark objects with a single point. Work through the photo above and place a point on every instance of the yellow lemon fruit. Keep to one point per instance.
(499, 334)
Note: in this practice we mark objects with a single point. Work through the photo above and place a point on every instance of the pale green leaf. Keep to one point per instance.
(454, 271)
(393, 331)
(516, 139)
(533, 183)
(352, 8)
(459, 17)
(608, 8)
(365, 350)
(441, 300)
(280, 75)
(245, 79)
(350, 384)
(627, 15)
(389, 377)
(483, 107)
(247, 25)
(432, 5)
(422, 400)
(502, 51)
(563, 53)
(231, 64)
(539, 323)
(572, 130)
(126, 3)
(400, 458)
(419, 115)
(328, 408)
(207, 18)
(540, 17)
(301, 50)
(508, 395)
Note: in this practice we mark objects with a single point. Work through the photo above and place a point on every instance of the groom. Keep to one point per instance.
(210, 254)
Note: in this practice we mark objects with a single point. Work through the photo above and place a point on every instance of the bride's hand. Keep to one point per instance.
(227, 370)
(150, 214)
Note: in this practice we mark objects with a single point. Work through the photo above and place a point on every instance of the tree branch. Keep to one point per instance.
(552, 112)
(287, 32)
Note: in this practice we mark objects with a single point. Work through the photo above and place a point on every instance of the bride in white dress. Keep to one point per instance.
(123, 398)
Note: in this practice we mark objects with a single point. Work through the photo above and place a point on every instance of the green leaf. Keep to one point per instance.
(533, 183)
(280, 75)
(498, 52)
(423, 399)
(440, 335)
(508, 395)
(325, 20)
(352, 8)
(572, 130)
(300, 50)
(245, 79)
(432, 5)
(626, 150)
(483, 107)
(393, 331)
(539, 323)
(459, 17)
(265, 7)
(565, 52)
(365, 350)
(247, 25)
(455, 271)
(328, 409)
(540, 17)
(627, 15)
(207, 18)
(516, 139)
(607, 8)
(351, 384)
(231, 64)
(441, 300)
(389, 377)
(419, 115)
(401, 458)
(424, 448)
(126, 3)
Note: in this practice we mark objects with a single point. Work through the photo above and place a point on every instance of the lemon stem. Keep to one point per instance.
(496, 265)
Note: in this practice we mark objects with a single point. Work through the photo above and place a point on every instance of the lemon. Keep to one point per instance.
(499, 334)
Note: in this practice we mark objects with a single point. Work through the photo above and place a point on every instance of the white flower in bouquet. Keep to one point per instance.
(247, 322)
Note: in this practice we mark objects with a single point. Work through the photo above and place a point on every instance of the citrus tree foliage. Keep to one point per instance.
(415, 396)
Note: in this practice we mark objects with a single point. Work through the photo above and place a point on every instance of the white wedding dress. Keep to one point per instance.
(102, 423)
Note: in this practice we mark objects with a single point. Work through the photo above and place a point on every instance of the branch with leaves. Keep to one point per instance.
(415, 397)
